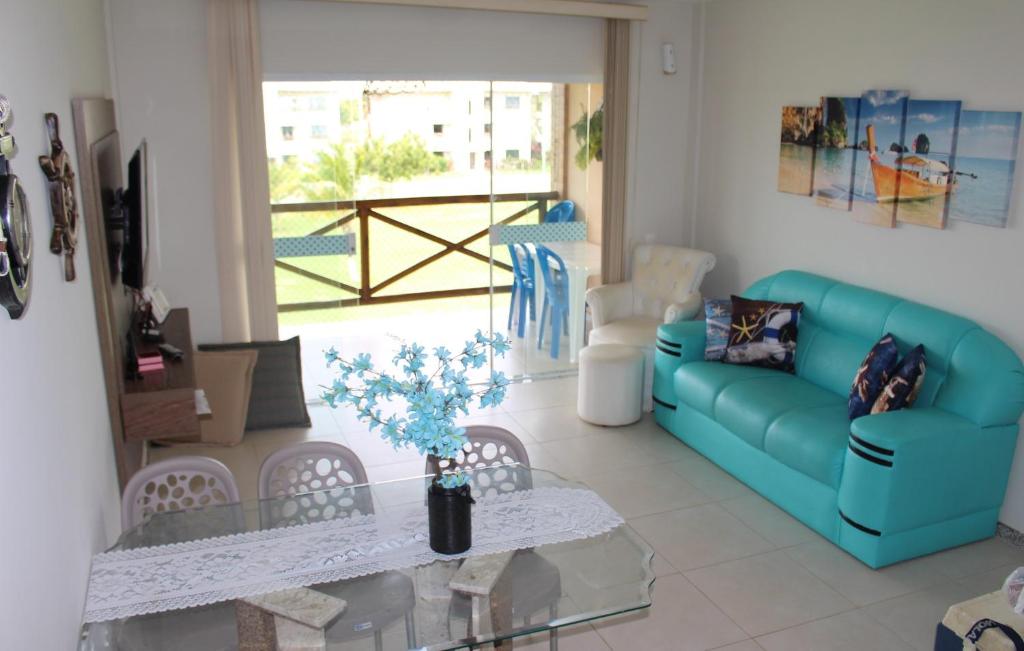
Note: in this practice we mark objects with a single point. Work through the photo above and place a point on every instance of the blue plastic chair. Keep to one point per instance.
(556, 297)
(524, 285)
(563, 211)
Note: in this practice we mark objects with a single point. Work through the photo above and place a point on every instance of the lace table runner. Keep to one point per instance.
(132, 582)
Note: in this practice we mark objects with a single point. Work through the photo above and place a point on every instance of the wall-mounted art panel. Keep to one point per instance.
(927, 163)
(986, 161)
(796, 148)
(836, 153)
(883, 116)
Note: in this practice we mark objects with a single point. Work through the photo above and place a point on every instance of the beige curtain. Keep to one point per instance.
(244, 245)
(616, 108)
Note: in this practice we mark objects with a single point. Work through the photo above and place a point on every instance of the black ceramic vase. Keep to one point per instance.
(450, 519)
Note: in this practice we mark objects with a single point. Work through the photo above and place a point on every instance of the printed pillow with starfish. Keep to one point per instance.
(763, 333)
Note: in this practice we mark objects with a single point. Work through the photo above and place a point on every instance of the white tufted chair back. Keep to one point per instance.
(176, 484)
(663, 275)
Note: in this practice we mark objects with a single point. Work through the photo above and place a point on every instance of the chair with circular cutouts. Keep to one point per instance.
(320, 480)
(310, 482)
(495, 448)
(176, 484)
(501, 465)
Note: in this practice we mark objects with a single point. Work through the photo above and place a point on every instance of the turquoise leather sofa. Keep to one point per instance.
(885, 487)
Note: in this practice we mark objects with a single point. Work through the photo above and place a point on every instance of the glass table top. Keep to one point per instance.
(541, 588)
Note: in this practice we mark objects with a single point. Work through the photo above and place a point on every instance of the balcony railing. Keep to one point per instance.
(375, 210)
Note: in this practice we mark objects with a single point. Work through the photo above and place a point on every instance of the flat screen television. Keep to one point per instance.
(135, 204)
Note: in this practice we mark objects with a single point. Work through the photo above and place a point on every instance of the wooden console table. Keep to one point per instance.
(168, 409)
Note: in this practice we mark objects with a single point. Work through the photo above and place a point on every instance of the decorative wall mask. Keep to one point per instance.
(57, 168)
(15, 226)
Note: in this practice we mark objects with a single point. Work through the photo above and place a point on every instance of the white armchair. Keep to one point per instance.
(664, 287)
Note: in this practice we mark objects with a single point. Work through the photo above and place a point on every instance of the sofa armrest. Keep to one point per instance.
(684, 310)
(687, 338)
(907, 428)
(610, 303)
(914, 467)
(676, 344)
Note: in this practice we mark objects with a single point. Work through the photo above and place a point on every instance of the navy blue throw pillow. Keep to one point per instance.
(902, 389)
(872, 376)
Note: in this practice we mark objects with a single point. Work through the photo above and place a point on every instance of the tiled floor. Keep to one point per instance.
(734, 572)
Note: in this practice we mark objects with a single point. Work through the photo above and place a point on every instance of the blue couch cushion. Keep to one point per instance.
(698, 383)
(812, 440)
(748, 409)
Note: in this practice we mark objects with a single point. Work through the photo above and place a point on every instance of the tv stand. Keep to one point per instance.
(166, 410)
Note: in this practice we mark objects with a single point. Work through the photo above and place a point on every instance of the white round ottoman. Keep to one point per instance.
(611, 384)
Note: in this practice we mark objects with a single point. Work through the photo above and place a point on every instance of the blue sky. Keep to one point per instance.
(884, 109)
(989, 134)
(934, 118)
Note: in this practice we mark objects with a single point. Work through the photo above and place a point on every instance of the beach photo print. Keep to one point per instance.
(836, 153)
(986, 161)
(796, 148)
(887, 158)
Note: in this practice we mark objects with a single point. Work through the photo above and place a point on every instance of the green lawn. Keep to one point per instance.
(391, 251)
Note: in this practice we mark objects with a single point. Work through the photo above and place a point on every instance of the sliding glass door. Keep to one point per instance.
(397, 206)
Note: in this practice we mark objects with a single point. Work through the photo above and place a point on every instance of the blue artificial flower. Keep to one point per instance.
(442, 354)
(362, 363)
(432, 399)
(331, 355)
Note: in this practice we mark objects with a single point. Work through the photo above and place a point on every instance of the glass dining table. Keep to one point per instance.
(540, 582)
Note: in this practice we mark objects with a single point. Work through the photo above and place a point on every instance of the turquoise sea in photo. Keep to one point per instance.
(985, 200)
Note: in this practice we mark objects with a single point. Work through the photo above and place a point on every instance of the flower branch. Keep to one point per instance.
(432, 401)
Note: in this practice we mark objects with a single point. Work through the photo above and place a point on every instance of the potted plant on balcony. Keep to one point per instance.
(432, 402)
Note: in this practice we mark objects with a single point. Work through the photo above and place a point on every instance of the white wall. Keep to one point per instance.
(658, 204)
(57, 474)
(760, 56)
(162, 94)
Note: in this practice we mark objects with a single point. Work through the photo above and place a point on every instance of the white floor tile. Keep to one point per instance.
(646, 490)
(768, 592)
(709, 478)
(498, 418)
(989, 581)
(979, 557)
(745, 645)
(849, 631)
(913, 617)
(608, 451)
(539, 394)
(699, 536)
(770, 521)
(555, 423)
(859, 583)
(680, 619)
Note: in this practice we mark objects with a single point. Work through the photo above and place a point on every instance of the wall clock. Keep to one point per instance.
(15, 227)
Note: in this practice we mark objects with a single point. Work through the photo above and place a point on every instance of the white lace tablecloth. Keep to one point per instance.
(170, 577)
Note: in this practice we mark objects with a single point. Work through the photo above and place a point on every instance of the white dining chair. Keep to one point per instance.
(176, 484)
(320, 480)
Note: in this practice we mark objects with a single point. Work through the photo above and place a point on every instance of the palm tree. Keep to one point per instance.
(330, 176)
(284, 180)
